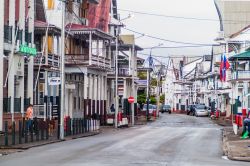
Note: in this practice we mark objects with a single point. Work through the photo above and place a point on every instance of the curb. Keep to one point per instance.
(50, 142)
(227, 151)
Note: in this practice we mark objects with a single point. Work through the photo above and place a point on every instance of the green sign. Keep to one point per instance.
(27, 50)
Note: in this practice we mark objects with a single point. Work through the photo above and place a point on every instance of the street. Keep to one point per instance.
(170, 141)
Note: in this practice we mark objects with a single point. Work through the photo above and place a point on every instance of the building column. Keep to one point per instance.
(1, 61)
(85, 95)
(11, 79)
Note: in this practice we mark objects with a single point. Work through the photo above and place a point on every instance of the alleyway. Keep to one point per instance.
(172, 140)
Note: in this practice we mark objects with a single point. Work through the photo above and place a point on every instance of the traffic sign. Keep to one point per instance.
(131, 99)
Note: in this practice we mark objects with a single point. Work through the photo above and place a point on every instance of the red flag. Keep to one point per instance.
(221, 68)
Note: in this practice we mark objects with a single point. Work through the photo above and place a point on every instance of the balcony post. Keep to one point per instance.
(90, 48)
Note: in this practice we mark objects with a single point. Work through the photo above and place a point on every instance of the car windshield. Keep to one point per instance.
(200, 106)
(149, 106)
(166, 106)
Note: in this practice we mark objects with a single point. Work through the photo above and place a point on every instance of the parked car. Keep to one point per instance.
(151, 108)
(190, 109)
(200, 110)
(166, 108)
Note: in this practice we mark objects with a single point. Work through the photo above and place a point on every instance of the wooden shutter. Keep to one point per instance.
(50, 44)
(51, 4)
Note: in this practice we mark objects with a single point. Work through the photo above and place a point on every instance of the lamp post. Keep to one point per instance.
(148, 77)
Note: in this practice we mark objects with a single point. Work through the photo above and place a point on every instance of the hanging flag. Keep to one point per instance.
(149, 63)
(224, 65)
(221, 68)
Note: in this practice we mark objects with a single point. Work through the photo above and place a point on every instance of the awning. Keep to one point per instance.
(242, 56)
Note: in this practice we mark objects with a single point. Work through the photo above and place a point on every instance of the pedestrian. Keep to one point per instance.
(112, 108)
(246, 124)
(29, 117)
(213, 107)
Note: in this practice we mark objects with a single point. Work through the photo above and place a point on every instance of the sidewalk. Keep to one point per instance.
(233, 147)
(21, 147)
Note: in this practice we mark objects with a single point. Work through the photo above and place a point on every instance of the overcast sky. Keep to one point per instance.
(185, 30)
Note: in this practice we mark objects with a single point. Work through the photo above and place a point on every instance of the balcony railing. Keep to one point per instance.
(51, 60)
(241, 75)
(83, 59)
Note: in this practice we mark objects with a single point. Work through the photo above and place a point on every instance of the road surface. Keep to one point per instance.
(173, 140)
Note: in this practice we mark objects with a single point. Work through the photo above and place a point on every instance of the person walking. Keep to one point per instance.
(29, 117)
(112, 108)
(246, 124)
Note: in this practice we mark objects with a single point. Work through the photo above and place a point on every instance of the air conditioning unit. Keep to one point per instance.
(210, 87)
(17, 47)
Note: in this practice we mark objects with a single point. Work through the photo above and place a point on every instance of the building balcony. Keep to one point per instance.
(84, 60)
(52, 60)
(240, 75)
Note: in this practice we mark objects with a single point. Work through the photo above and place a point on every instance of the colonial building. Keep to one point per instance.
(16, 57)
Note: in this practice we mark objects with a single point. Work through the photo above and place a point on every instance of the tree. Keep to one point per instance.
(153, 100)
(162, 99)
(153, 82)
(141, 98)
(142, 75)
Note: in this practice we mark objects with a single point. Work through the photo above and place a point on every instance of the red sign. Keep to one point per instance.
(131, 99)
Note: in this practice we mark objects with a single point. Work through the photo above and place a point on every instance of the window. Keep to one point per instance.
(70, 6)
(51, 4)
(83, 10)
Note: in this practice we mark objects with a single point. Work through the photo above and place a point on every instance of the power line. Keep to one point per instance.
(167, 40)
(181, 17)
(190, 46)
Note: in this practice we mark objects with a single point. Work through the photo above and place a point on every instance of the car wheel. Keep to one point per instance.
(169, 112)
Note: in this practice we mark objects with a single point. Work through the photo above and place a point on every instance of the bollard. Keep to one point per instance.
(87, 125)
(13, 133)
(70, 126)
(6, 143)
(31, 132)
(73, 126)
(42, 131)
(20, 132)
(77, 127)
(26, 132)
(47, 129)
(82, 124)
(36, 129)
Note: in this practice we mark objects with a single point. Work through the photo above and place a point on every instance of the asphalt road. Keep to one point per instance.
(174, 140)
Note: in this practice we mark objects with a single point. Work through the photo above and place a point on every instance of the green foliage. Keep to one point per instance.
(142, 75)
(153, 100)
(141, 98)
(153, 82)
(162, 98)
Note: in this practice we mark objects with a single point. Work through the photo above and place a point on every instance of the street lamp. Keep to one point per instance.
(150, 61)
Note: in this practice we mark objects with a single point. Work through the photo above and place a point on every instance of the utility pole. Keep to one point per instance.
(133, 84)
(116, 81)
(62, 73)
(1, 61)
(158, 89)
